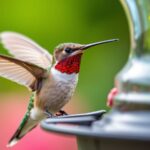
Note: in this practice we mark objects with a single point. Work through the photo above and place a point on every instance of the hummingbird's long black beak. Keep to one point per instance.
(84, 47)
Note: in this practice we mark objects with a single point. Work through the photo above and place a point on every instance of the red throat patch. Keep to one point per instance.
(69, 65)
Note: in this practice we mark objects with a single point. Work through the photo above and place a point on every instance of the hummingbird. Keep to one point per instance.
(51, 79)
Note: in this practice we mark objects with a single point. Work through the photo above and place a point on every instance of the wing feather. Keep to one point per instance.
(19, 71)
(24, 48)
(15, 73)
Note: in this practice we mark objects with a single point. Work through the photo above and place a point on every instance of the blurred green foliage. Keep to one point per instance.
(50, 22)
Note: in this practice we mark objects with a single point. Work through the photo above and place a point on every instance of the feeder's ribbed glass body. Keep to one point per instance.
(133, 81)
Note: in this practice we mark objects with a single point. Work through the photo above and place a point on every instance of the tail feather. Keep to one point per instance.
(12, 143)
(26, 125)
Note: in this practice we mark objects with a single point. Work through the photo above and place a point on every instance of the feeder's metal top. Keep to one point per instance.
(89, 124)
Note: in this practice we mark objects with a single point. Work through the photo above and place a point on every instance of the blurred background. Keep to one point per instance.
(49, 23)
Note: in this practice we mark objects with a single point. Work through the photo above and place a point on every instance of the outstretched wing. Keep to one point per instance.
(25, 49)
(21, 72)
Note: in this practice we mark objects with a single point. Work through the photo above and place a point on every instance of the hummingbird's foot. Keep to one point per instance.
(61, 113)
(49, 114)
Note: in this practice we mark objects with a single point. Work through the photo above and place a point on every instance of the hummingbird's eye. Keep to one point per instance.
(68, 50)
